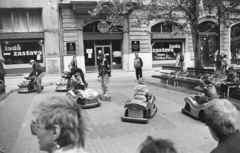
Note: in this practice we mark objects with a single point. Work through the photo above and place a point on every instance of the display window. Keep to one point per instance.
(165, 50)
(21, 52)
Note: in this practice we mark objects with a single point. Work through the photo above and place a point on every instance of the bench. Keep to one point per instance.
(166, 70)
(197, 73)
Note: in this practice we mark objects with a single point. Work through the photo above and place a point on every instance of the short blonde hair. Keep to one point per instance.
(58, 110)
(221, 117)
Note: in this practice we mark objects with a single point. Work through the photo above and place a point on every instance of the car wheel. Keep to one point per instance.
(146, 114)
(187, 107)
(202, 116)
(80, 101)
(126, 113)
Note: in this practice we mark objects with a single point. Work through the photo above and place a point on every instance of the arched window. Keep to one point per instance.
(235, 31)
(235, 41)
(166, 27)
(208, 26)
(93, 28)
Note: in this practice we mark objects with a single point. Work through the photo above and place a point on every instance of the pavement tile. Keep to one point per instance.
(109, 134)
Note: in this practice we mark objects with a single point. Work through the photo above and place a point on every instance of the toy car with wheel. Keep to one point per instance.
(28, 85)
(85, 97)
(140, 109)
(193, 109)
(65, 83)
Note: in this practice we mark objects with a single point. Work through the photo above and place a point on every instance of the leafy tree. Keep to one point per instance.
(171, 10)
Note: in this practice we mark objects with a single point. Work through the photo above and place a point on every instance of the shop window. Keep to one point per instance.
(116, 52)
(93, 28)
(21, 52)
(89, 53)
(165, 50)
(166, 27)
(21, 20)
(208, 27)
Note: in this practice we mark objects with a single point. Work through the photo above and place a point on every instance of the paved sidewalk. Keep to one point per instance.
(109, 134)
(13, 81)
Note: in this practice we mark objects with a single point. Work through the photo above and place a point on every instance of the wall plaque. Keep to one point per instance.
(135, 46)
(71, 48)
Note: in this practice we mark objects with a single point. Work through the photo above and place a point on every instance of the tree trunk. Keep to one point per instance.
(198, 54)
(193, 18)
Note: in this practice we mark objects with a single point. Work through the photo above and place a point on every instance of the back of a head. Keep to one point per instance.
(58, 110)
(221, 117)
(151, 145)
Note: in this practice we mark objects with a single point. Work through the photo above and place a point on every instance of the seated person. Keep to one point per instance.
(141, 90)
(78, 83)
(231, 81)
(31, 82)
(209, 90)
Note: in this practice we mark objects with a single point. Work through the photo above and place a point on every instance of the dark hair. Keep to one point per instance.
(151, 145)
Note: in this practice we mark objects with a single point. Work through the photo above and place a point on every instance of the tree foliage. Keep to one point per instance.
(171, 10)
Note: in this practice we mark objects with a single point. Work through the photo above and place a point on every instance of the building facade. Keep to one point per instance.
(52, 32)
(29, 29)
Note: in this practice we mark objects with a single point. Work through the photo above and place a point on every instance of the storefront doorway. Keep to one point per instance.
(208, 31)
(106, 50)
(208, 47)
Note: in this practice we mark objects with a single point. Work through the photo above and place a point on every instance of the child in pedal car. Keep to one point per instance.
(78, 83)
(141, 91)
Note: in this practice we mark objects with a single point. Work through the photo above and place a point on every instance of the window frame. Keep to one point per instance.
(28, 21)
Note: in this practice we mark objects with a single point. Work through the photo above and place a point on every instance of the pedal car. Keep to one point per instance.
(64, 85)
(86, 98)
(28, 85)
(139, 109)
(193, 109)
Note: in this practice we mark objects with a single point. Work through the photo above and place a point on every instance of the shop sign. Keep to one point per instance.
(135, 46)
(166, 50)
(71, 48)
(21, 52)
(103, 27)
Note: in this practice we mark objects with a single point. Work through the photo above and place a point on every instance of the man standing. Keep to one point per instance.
(181, 61)
(73, 62)
(38, 73)
(138, 66)
(221, 119)
(104, 71)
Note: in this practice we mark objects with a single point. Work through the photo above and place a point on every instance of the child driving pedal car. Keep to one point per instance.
(141, 91)
(78, 83)
(209, 90)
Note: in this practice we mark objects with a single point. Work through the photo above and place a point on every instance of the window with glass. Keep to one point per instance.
(166, 27)
(235, 41)
(89, 53)
(21, 20)
(21, 52)
(165, 50)
(208, 27)
(116, 52)
(93, 28)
